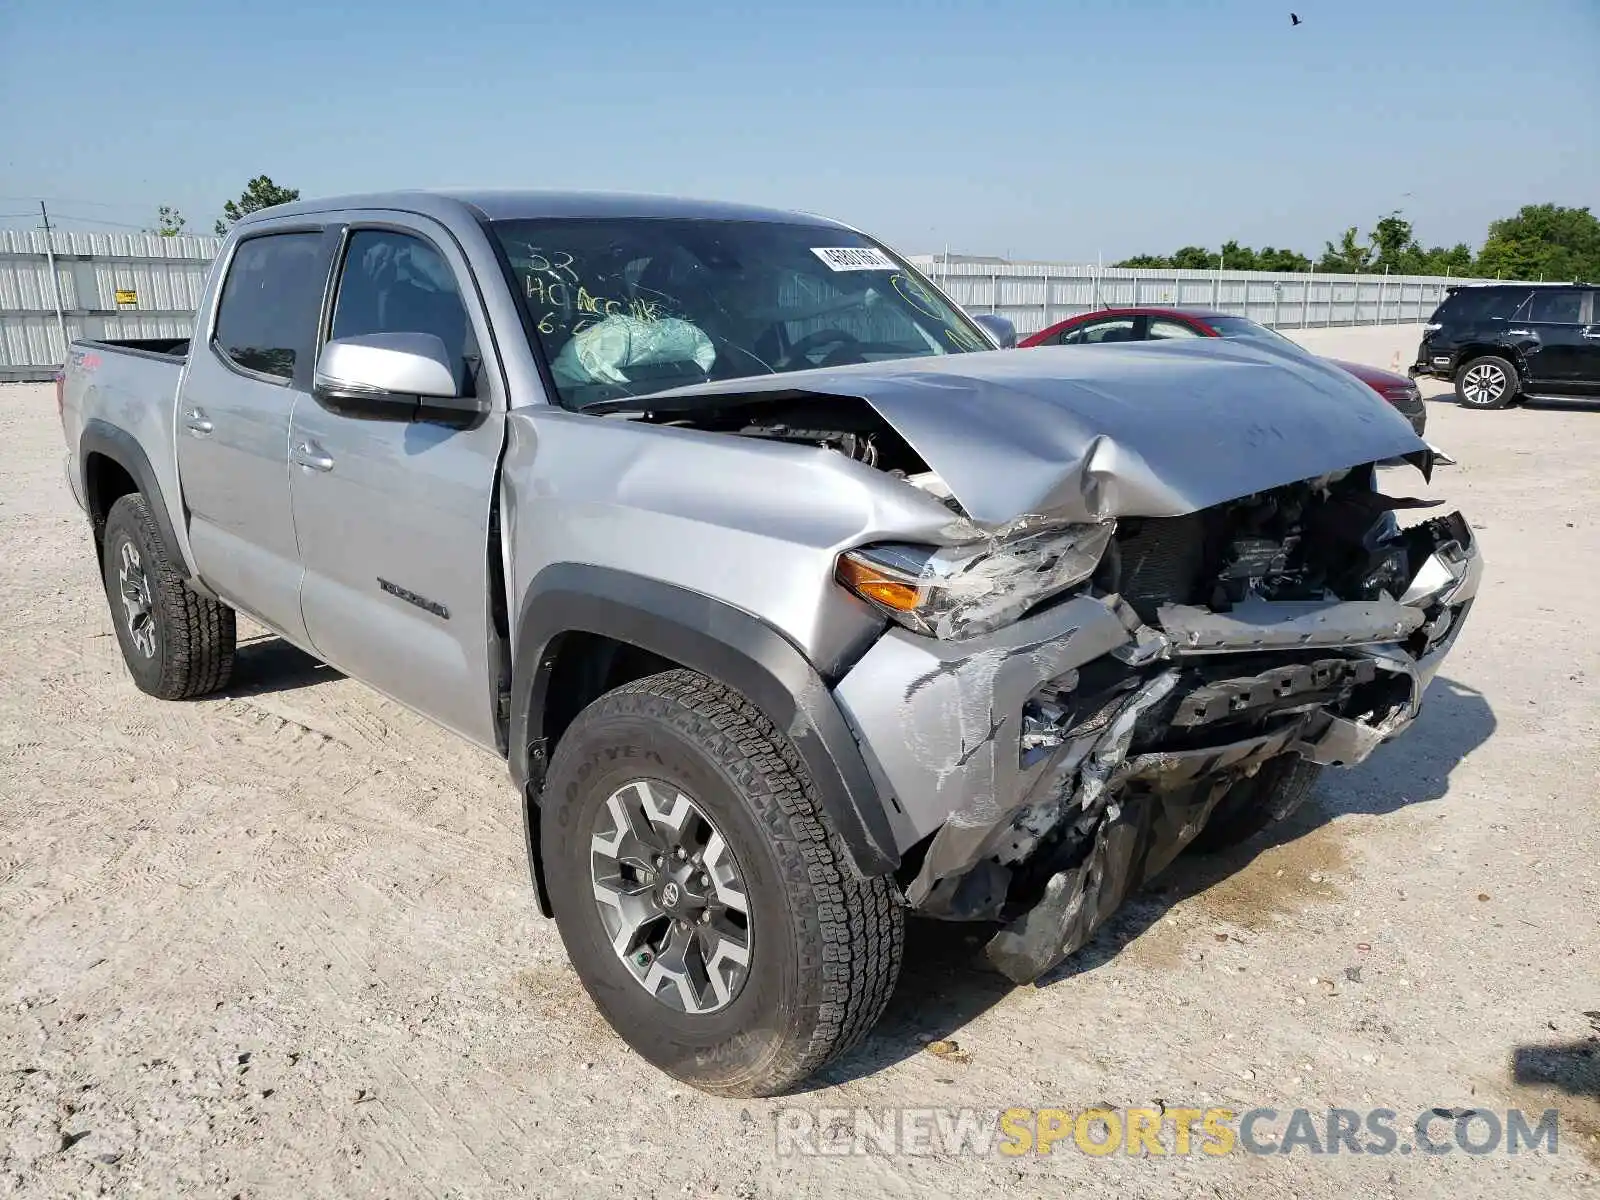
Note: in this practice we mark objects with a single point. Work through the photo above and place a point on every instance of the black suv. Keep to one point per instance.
(1504, 340)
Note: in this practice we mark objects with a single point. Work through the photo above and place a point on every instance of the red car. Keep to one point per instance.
(1157, 324)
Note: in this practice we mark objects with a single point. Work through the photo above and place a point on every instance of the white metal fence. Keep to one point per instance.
(119, 285)
(95, 285)
(1036, 295)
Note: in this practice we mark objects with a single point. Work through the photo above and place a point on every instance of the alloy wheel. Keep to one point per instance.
(1484, 384)
(671, 896)
(136, 604)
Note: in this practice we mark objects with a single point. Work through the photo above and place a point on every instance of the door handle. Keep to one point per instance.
(1591, 333)
(313, 457)
(197, 421)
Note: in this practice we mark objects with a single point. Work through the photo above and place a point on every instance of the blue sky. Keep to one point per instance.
(1043, 129)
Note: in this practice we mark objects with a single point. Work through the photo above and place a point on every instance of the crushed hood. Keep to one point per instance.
(1083, 433)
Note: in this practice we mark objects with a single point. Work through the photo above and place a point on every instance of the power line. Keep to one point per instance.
(66, 200)
(61, 218)
(98, 221)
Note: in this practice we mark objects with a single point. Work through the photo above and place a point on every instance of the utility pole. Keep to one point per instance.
(55, 279)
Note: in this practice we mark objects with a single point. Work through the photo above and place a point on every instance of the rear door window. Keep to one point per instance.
(267, 316)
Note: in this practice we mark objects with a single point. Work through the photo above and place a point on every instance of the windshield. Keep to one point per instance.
(627, 307)
(1243, 327)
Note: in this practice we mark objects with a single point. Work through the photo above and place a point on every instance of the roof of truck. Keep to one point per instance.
(512, 205)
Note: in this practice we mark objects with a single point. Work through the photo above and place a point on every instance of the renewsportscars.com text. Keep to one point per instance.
(1165, 1130)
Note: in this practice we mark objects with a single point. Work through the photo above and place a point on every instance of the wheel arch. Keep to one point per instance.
(1476, 350)
(114, 464)
(572, 615)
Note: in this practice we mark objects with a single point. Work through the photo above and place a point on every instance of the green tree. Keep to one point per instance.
(1456, 260)
(1189, 258)
(1269, 258)
(259, 193)
(1349, 257)
(1543, 241)
(1235, 257)
(1194, 258)
(169, 222)
(1394, 244)
(1232, 256)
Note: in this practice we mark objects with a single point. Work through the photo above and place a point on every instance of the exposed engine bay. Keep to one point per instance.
(842, 423)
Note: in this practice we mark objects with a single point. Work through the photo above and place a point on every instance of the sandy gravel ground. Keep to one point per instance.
(281, 942)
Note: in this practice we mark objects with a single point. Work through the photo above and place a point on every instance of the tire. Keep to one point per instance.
(177, 643)
(1486, 382)
(822, 947)
(1249, 806)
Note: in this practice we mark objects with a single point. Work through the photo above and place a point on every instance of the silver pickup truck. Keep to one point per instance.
(792, 600)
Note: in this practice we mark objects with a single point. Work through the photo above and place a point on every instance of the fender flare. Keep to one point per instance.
(717, 639)
(122, 448)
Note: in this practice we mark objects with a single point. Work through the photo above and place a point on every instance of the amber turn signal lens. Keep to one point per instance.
(876, 585)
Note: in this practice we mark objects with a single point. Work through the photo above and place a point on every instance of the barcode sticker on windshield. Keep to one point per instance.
(855, 258)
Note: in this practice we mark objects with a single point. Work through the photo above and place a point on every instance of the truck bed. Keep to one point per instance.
(176, 349)
(127, 391)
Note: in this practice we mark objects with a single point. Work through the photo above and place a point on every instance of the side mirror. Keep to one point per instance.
(999, 328)
(391, 377)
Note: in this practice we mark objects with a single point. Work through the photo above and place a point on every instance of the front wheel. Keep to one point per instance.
(1486, 382)
(703, 896)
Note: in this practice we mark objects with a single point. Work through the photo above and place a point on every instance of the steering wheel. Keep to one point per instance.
(822, 337)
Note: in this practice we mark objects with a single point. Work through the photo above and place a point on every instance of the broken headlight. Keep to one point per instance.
(954, 592)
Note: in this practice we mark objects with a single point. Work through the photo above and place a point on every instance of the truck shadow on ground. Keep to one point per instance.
(946, 983)
(266, 664)
(1571, 1067)
(1564, 1076)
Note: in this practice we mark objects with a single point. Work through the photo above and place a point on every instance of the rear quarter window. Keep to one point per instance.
(1470, 305)
(267, 316)
(1563, 307)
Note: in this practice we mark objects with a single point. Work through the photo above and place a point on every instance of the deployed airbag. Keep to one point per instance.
(604, 351)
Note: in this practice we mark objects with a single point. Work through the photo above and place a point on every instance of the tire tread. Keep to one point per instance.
(860, 920)
(198, 634)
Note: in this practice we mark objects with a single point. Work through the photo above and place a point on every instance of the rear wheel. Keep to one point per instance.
(1486, 382)
(1249, 806)
(703, 897)
(176, 642)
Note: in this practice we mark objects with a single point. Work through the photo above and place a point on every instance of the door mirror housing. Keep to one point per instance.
(392, 377)
(999, 328)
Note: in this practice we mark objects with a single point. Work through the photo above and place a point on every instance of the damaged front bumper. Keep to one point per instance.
(1044, 771)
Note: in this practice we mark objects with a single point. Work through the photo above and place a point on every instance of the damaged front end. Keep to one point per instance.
(1040, 769)
(1162, 590)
